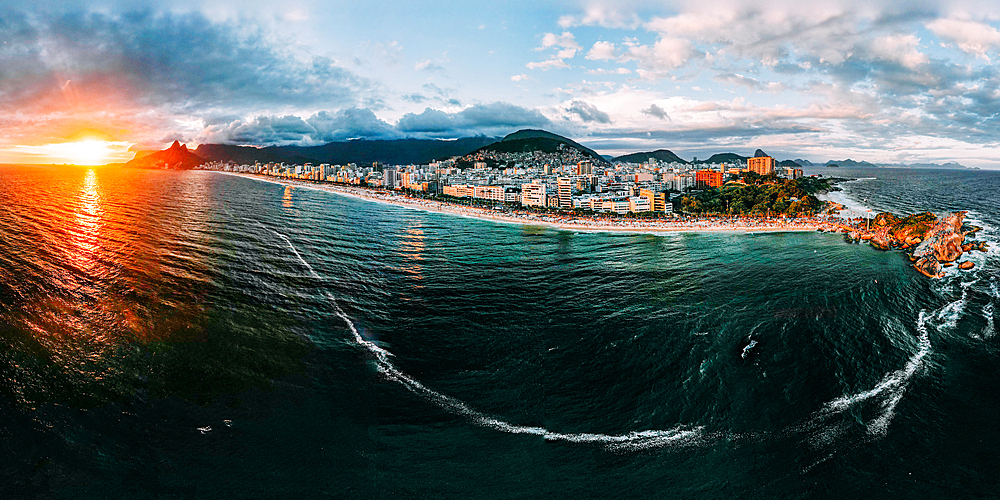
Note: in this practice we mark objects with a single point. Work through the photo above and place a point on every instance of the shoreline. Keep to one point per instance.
(566, 222)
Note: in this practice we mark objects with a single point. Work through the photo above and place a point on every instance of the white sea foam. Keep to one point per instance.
(853, 207)
(989, 330)
(632, 441)
(890, 389)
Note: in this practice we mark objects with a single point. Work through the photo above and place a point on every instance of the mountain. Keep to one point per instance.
(176, 157)
(849, 163)
(528, 140)
(760, 154)
(393, 152)
(723, 158)
(804, 163)
(660, 154)
(949, 165)
(789, 163)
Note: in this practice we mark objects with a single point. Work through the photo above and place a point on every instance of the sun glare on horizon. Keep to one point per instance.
(86, 152)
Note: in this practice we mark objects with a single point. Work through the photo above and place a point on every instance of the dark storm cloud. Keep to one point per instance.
(183, 61)
(320, 128)
(478, 119)
(588, 112)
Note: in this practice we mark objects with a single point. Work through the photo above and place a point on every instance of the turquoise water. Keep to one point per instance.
(203, 335)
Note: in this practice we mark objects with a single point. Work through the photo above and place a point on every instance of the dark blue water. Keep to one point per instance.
(192, 334)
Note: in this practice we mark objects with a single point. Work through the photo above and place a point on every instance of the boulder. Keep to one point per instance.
(942, 243)
(928, 266)
(968, 264)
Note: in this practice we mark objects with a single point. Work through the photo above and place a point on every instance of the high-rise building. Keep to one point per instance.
(657, 201)
(763, 165)
(565, 193)
(533, 194)
(585, 167)
(708, 179)
(390, 178)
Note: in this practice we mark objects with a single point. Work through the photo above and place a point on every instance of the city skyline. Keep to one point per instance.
(884, 83)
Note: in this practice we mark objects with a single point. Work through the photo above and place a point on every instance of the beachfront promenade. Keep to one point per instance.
(572, 221)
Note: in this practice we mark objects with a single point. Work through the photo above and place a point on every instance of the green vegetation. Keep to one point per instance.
(759, 195)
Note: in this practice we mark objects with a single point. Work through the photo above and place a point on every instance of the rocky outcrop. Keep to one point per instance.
(932, 243)
(966, 265)
(176, 157)
(941, 243)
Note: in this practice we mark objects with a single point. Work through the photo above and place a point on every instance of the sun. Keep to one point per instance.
(85, 151)
(88, 152)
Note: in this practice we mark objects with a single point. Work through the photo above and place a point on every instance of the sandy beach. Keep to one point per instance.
(570, 222)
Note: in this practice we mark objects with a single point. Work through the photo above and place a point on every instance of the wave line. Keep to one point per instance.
(633, 441)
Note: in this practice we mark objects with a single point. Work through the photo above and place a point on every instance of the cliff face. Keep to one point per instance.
(176, 157)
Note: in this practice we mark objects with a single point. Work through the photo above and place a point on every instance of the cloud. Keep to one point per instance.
(147, 72)
(588, 112)
(898, 48)
(428, 65)
(602, 51)
(972, 37)
(518, 78)
(391, 52)
(656, 111)
(616, 71)
(750, 83)
(320, 128)
(666, 55)
(565, 46)
(489, 119)
(554, 63)
(603, 16)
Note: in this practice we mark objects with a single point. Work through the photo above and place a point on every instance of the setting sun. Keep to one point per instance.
(83, 152)
(89, 152)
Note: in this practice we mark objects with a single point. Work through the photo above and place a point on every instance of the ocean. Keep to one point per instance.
(201, 335)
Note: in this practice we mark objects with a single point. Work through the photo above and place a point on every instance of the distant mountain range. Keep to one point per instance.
(423, 151)
(849, 163)
(392, 152)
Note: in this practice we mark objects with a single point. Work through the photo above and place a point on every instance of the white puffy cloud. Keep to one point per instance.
(973, 37)
(902, 49)
(665, 55)
(605, 16)
(602, 51)
(565, 46)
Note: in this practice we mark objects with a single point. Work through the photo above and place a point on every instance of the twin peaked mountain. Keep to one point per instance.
(411, 152)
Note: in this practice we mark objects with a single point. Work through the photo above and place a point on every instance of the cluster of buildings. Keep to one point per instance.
(532, 179)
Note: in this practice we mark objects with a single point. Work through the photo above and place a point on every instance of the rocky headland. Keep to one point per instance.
(176, 157)
(932, 243)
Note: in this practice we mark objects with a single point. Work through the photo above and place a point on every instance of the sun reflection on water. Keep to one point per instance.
(413, 246)
(89, 220)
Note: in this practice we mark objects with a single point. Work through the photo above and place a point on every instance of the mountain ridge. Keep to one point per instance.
(423, 151)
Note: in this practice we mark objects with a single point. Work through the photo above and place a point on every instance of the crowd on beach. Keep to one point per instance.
(571, 220)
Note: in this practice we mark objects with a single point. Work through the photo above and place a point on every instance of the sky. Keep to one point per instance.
(882, 81)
